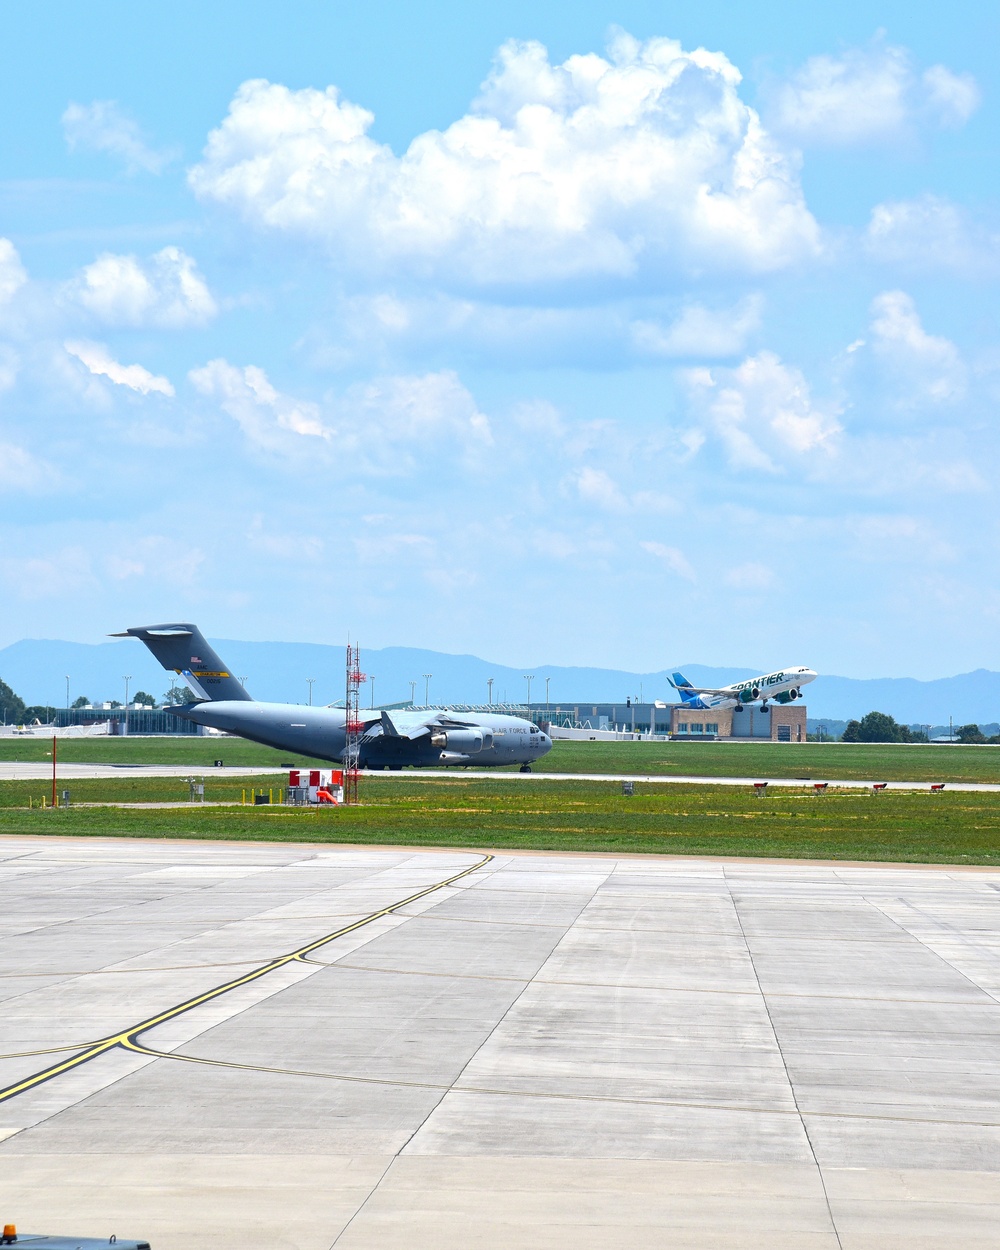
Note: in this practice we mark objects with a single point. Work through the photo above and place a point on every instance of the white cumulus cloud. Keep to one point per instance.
(381, 423)
(931, 233)
(590, 167)
(102, 126)
(867, 95)
(167, 290)
(594, 486)
(925, 367)
(700, 331)
(672, 557)
(953, 97)
(22, 471)
(266, 416)
(98, 360)
(763, 414)
(12, 272)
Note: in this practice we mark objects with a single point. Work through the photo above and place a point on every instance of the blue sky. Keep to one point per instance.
(579, 334)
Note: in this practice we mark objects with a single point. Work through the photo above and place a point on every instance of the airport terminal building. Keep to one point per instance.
(777, 722)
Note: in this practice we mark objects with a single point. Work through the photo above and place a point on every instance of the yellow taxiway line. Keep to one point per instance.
(126, 1039)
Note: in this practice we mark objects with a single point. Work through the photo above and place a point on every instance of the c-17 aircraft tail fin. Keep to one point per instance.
(182, 649)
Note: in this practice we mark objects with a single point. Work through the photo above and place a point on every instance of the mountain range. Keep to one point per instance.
(37, 671)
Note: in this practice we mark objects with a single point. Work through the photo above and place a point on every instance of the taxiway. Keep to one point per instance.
(307, 1046)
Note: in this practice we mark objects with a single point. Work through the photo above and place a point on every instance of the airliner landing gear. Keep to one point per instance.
(525, 768)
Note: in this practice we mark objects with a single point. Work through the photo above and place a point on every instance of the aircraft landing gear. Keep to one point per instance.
(525, 768)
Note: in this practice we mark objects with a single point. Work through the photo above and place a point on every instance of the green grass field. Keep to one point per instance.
(816, 761)
(568, 815)
(190, 751)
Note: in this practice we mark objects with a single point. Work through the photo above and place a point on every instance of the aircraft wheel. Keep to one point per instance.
(525, 768)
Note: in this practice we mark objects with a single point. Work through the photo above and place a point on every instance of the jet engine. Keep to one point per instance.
(463, 741)
(750, 696)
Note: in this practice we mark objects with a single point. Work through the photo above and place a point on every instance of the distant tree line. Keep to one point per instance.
(880, 727)
(14, 710)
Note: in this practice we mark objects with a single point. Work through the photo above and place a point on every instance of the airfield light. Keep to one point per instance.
(489, 683)
(9, 1233)
(427, 688)
(310, 681)
(529, 678)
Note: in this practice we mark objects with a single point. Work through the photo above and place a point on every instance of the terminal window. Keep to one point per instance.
(682, 728)
(712, 727)
(697, 727)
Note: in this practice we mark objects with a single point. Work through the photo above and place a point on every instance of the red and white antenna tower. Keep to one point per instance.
(354, 726)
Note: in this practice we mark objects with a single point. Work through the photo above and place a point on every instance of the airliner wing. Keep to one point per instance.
(699, 689)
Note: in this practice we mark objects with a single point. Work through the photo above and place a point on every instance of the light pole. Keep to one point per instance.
(243, 682)
(427, 688)
(413, 693)
(67, 699)
(547, 680)
(126, 681)
(489, 685)
(309, 682)
(372, 680)
(529, 678)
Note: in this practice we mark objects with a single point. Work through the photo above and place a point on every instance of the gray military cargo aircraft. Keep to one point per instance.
(419, 739)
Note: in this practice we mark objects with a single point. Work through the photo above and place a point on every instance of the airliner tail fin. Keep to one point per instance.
(683, 687)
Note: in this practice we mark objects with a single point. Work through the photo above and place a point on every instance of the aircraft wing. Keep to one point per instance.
(700, 689)
(415, 725)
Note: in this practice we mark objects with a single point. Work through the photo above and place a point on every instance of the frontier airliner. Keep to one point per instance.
(782, 686)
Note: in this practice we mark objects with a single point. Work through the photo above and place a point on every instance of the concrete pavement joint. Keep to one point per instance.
(788, 1075)
(126, 1035)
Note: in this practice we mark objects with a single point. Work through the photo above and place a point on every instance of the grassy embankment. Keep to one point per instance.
(809, 760)
(566, 816)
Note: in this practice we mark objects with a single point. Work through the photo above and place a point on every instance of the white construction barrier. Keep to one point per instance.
(316, 785)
